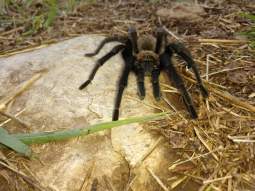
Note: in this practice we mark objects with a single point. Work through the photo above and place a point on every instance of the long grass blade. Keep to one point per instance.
(45, 137)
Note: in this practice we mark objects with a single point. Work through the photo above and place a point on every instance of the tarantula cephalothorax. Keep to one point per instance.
(148, 56)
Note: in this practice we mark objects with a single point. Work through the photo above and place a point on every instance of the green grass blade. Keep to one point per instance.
(52, 13)
(248, 16)
(45, 137)
(14, 143)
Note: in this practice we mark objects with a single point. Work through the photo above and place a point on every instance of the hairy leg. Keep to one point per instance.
(129, 59)
(121, 86)
(155, 84)
(185, 54)
(161, 37)
(140, 84)
(165, 60)
(100, 62)
(121, 39)
(132, 35)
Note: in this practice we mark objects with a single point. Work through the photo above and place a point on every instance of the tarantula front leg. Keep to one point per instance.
(185, 54)
(140, 83)
(121, 86)
(155, 84)
(100, 62)
(167, 65)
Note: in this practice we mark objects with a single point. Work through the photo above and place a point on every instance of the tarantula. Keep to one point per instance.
(148, 56)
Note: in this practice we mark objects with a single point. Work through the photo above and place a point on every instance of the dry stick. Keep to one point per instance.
(216, 179)
(108, 183)
(161, 184)
(234, 100)
(227, 110)
(243, 141)
(207, 66)
(195, 178)
(224, 41)
(19, 51)
(205, 186)
(144, 103)
(177, 182)
(19, 90)
(149, 151)
(208, 82)
(207, 78)
(11, 31)
(13, 117)
(87, 177)
(224, 70)
(222, 94)
(8, 120)
(174, 165)
(205, 143)
(174, 109)
(172, 34)
(24, 176)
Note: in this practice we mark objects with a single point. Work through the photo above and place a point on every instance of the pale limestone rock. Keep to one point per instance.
(54, 102)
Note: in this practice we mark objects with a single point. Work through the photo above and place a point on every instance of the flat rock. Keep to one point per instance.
(54, 102)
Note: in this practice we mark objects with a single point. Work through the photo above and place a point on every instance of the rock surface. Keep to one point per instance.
(54, 102)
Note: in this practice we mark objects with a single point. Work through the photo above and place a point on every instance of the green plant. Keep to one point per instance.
(52, 13)
(250, 34)
(19, 142)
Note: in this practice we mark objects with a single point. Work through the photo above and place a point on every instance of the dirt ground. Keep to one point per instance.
(211, 30)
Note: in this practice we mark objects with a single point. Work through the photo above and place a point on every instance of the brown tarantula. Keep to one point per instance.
(148, 56)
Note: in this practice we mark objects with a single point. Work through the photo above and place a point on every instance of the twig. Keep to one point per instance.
(177, 182)
(174, 109)
(20, 89)
(216, 179)
(8, 120)
(224, 70)
(205, 143)
(24, 176)
(14, 118)
(149, 151)
(207, 77)
(87, 177)
(222, 94)
(108, 183)
(224, 41)
(242, 139)
(172, 34)
(207, 66)
(161, 184)
(193, 158)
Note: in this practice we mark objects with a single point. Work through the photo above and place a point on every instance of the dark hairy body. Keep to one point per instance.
(148, 56)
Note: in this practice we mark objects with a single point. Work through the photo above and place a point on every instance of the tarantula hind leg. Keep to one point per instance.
(185, 54)
(165, 61)
(100, 62)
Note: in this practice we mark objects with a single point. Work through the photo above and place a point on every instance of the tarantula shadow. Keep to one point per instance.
(148, 56)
